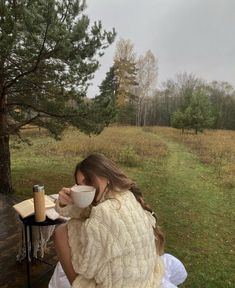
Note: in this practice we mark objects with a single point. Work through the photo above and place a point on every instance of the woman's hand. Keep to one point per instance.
(65, 197)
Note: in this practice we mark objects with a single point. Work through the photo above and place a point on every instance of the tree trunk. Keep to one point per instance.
(138, 114)
(5, 163)
(145, 113)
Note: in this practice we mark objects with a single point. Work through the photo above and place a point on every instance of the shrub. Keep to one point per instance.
(128, 156)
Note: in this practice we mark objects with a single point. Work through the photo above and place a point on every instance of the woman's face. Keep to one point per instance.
(101, 183)
(80, 178)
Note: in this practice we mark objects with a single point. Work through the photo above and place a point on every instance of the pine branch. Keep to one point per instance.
(36, 64)
(27, 83)
(15, 129)
(40, 110)
(64, 15)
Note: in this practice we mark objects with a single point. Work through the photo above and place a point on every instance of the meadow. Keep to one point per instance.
(213, 147)
(187, 179)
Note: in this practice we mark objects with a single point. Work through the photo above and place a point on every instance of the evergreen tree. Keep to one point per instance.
(48, 54)
(196, 116)
(105, 102)
(199, 114)
(179, 120)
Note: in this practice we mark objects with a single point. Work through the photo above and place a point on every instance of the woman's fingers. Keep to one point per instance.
(64, 196)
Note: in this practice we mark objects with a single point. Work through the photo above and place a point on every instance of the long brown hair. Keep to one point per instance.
(99, 165)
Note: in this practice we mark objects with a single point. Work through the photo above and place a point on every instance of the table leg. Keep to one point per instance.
(27, 256)
(31, 243)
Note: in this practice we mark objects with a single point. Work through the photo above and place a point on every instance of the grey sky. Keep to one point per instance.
(194, 36)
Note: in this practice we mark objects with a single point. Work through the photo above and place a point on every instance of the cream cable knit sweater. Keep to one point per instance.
(115, 246)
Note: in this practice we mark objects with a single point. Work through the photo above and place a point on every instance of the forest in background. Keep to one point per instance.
(130, 93)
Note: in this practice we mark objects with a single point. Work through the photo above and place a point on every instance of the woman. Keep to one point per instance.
(114, 242)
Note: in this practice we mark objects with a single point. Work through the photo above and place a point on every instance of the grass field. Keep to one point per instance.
(190, 188)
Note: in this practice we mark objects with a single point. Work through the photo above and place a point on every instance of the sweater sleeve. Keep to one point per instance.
(72, 211)
(88, 248)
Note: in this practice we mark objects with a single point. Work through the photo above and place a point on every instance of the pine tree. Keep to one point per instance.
(105, 102)
(48, 55)
(196, 116)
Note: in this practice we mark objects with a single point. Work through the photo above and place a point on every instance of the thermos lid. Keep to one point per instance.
(35, 188)
(38, 188)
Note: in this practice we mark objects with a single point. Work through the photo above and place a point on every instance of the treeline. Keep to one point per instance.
(130, 95)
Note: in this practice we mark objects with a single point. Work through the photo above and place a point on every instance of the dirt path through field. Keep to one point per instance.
(200, 212)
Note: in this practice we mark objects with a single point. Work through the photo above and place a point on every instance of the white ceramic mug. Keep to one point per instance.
(82, 195)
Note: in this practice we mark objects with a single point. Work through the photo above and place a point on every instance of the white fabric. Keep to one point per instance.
(40, 237)
(59, 279)
(175, 274)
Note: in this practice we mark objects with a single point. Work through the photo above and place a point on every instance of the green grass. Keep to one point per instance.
(197, 217)
(193, 209)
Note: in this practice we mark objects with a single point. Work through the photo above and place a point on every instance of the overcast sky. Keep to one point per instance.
(194, 36)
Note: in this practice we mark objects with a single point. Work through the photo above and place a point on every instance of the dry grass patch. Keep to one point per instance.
(123, 144)
(127, 145)
(214, 147)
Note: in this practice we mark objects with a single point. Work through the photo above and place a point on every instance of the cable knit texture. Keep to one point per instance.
(115, 246)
